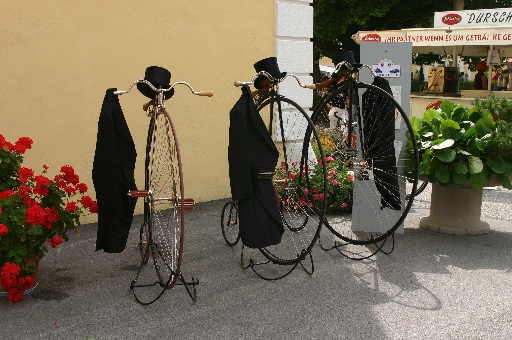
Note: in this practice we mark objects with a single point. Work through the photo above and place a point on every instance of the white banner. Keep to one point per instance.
(474, 18)
(440, 37)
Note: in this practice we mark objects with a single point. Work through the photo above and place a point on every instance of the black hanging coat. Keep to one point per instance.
(113, 176)
(379, 136)
(251, 150)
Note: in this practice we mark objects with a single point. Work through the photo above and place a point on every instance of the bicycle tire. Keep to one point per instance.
(288, 124)
(165, 211)
(376, 190)
(229, 223)
(420, 188)
(144, 245)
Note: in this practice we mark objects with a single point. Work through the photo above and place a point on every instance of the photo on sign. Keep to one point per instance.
(386, 68)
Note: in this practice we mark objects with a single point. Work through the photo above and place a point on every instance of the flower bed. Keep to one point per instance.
(339, 181)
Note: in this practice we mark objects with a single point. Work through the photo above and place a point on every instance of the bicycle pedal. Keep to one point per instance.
(188, 204)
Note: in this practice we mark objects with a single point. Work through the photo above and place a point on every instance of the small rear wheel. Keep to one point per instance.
(229, 223)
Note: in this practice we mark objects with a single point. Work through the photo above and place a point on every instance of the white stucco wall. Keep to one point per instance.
(294, 52)
(294, 49)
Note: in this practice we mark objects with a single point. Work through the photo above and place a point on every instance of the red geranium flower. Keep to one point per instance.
(15, 295)
(26, 282)
(42, 185)
(6, 194)
(71, 207)
(94, 207)
(9, 273)
(82, 187)
(5, 143)
(69, 174)
(29, 201)
(86, 201)
(23, 144)
(35, 215)
(51, 215)
(3, 229)
(54, 242)
(24, 174)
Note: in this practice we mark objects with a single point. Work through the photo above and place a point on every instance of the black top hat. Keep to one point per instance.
(349, 58)
(268, 65)
(160, 78)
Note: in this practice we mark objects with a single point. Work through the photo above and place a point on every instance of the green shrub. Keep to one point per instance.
(456, 144)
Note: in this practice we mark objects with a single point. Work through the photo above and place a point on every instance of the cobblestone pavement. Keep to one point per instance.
(432, 286)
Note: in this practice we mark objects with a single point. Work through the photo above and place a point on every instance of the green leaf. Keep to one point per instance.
(469, 132)
(429, 115)
(482, 129)
(446, 155)
(475, 165)
(460, 168)
(460, 178)
(443, 174)
(443, 145)
(508, 169)
(36, 230)
(504, 181)
(463, 152)
(446, 107)
(481, 143)
(425, 145)
(478, 180)
(487, 119)
(416, 123)
(497, 164)
(449, 123)
(452, 133)
(466, 124)
(474, 114)
(458, 113)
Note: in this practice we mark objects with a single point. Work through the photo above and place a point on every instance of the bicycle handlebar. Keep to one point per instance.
(239, 83)
(143, 81)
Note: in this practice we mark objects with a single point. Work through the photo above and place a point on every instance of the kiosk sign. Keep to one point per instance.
(474, 18)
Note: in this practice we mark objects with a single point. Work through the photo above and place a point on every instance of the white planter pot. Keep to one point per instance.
(455, 211)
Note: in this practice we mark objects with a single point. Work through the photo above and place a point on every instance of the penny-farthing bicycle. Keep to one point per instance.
(162, 232)
(299, 176)
(367, 188)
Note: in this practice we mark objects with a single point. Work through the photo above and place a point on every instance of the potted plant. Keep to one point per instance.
(462, 150)
(35, 212)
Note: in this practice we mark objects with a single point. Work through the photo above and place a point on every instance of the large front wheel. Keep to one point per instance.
(164, 211)
(299, 180)
(370, 174)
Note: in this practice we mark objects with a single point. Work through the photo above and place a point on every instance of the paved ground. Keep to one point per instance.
(433, 286)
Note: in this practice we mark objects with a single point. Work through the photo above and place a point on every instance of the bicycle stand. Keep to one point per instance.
(253, 265)
(190, 287)
(192, 283)
(379, 248)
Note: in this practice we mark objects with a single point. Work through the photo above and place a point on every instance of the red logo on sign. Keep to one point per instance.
(451, 19)
(434, 105)
(371, 38)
